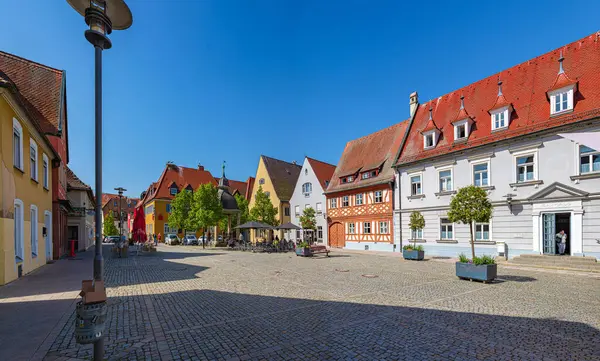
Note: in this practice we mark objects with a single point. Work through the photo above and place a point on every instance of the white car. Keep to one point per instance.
(190, 239)
(171, 239)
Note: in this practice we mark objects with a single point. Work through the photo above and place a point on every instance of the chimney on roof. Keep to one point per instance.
(414, 103)
(294, 162)
(200, 167)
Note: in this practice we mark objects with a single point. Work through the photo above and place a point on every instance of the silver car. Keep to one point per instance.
(190, 240)
(171, 239)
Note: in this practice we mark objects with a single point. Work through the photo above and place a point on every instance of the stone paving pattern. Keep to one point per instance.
(183, 303)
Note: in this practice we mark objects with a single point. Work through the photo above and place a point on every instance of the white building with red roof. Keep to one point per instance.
(527, 135)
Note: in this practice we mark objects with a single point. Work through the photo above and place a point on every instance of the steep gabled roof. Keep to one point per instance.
(524, 86)
(283, 175)
(74, 183)
(106, 197)
(181, 177)
(322, 170)
(374, 150)
(249, 187)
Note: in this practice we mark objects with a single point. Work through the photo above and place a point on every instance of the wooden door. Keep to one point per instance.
(336, 235)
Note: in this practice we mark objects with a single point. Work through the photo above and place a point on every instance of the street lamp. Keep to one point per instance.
(102, 16)
(120, 190)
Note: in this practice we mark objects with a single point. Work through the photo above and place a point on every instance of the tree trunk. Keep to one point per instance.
(472, 241)
(203, 239)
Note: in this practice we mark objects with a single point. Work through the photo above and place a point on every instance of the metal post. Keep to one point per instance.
(98, 260)
(120, 217)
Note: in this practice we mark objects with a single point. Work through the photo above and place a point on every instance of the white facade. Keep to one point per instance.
(80, 222)
(308, 193)
(548, 186)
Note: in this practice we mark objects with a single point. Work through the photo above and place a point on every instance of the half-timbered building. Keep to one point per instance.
(360, 193)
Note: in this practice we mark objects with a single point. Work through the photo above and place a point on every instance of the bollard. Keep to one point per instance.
(72, 253)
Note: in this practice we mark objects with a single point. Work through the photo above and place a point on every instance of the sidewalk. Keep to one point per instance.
(31, 306)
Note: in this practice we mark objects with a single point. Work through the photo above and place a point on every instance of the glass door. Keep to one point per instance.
(549, 228)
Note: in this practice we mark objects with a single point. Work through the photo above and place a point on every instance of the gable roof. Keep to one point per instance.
(525, 88)
(41, 85)
(376, 150)
(235, 185)
(180, 176)
(106, 197)
(283, 175)
(74, 183)
(249, 187)
(323, 171)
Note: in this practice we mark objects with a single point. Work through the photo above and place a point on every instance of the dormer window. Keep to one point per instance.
(173, 190)
(429, 140)
(369, 174)
(460, 131)
(350, 179)
(500, 118)
(561, 100)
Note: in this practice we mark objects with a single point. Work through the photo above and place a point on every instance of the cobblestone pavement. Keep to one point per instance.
(183, 303)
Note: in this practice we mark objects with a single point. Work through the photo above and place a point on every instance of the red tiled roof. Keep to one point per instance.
(377, 148)
(524, 86)
(41, 85)
(562, 80)
(235, 186)
(462, 114)
(106, 197)
(249, 187)
(181, 176)
(322, 170)
(73, 182)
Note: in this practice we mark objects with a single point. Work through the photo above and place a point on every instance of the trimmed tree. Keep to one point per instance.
(470, 204)
(417, 221)
(207, 209)
(263, 210)
(109, 225)
(181, 208)
(307, 219)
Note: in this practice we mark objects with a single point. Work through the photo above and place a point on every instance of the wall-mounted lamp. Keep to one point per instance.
(509, 198)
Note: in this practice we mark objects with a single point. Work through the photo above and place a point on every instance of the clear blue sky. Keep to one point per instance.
(202, 81)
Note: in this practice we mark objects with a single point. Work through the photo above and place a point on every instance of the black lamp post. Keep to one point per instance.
(102, 16)
(120, 190)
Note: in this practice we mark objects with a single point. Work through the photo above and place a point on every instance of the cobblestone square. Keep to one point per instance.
(183, 303)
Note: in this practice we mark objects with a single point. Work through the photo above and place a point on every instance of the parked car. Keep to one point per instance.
(111, 239)
(171, 239)
(190, 240)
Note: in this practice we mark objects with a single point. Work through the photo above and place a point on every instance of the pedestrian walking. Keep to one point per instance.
(157, 240)
(561, 240)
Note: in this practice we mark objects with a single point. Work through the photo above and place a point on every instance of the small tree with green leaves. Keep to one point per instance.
(417, 221)
(263, 210)
(470, 204)
(181, 208)
(109, 225)
(207, 209)
(308, 220)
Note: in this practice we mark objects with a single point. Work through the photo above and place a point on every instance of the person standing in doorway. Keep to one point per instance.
(561, 240)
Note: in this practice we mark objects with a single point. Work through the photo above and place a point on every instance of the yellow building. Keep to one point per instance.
(278, 180)
(25, 184)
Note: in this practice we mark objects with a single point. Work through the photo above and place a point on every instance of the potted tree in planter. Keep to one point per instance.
(303, 249)
(412, 251)
(469, 205)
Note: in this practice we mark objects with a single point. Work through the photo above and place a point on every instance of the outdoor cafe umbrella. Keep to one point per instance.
(288, 226)
(254, 225)
(139, 225)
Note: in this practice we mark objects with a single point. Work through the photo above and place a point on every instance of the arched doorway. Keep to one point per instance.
(336, 235)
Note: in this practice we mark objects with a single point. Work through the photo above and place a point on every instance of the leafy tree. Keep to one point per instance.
(469, 205)
(417, 221)
(181, 208)
(307, 219)
(263, 210)
(109, 225)
(207, 208)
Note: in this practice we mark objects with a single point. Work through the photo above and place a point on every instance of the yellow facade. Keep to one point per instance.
(262, 176)
(157, 217)
(23, 195)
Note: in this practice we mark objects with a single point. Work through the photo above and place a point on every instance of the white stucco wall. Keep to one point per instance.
(316, 196)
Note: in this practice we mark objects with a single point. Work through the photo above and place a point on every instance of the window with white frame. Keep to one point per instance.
(461, 130)
(33, 164)
(166, 229)
(589, 160)
(17, 144)
(480, 174)
(319, 208)
(383, 228)
(482, 231)
(499, 120)
(306, 206)
(333, 203)
(367, 227)
(415, 185)
(525, 168)
(561, 100)
(307, 188)
(351, 228)
(45, 170)
(445, 180)
(173, 190)
(378, 196)
(446, 229)
(429, 140)
(319, 233)
(150, 209)
(34, 231)
(19, 232)
(297, 211)
(359, 199)
(365, 175)
(416, 233)
(345, 201)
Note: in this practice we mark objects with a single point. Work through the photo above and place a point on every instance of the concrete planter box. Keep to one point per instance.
(304, 252)
(414, 255)
(485, 273)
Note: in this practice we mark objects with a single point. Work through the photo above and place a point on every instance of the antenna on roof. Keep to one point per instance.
(462, 101)
(499, 86)
(560, 62)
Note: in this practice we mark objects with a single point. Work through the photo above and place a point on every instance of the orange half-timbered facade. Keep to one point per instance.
(360, 194)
